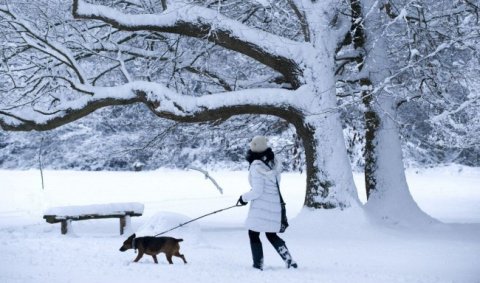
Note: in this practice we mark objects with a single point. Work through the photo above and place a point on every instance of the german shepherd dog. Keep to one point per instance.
(153, 246)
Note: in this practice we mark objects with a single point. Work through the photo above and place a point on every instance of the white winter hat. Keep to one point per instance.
(258, 144)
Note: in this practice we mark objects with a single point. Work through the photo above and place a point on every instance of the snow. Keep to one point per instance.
(329, 245)
(98, 209)
(264, 3)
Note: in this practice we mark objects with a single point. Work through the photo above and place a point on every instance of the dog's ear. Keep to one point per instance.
(134, 235)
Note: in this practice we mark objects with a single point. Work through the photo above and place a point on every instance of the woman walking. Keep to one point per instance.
(265, 211)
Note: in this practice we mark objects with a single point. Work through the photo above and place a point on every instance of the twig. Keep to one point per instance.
(40, 162)
(207, 176)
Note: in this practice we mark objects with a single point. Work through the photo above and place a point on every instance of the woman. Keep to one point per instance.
(265, 210)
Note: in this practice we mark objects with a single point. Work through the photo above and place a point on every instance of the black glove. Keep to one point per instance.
(240, 202)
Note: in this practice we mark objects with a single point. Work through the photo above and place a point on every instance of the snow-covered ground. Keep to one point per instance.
(329, 246)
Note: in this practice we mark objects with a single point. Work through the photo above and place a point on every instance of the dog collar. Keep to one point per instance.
(133, 245)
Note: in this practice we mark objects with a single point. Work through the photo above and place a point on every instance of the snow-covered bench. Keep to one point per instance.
(66, 214)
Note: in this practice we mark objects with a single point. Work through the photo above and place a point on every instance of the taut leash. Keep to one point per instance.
(185, 223)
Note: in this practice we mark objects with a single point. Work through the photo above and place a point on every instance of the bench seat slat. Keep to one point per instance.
(66, 214)
(59, 218)
(100, 209)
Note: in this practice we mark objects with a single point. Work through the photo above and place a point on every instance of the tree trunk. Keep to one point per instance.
(329, 176)
(390, 198)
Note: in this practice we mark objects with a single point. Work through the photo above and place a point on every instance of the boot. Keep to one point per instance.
(282, 250)
(257, 255)
(285, 254)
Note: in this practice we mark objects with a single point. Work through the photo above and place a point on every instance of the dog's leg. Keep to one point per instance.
(169, 258)
(139, 256)
(155, 258)
(177, 254)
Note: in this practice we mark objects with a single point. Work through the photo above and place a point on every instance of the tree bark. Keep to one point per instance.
(372, 123)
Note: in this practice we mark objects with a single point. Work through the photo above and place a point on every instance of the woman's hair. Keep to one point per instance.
(266, 156)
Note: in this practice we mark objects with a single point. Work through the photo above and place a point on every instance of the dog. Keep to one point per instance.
(153, 246)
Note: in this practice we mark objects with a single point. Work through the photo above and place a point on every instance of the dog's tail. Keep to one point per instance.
(179, 240)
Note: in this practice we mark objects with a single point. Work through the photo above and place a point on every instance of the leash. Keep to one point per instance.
(185, 223)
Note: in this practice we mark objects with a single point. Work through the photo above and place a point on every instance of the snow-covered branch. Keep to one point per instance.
(207, 176)
(163, 101)
(279, 53)
(472, 101)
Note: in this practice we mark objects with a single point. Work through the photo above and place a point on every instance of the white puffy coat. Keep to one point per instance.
(265, 210)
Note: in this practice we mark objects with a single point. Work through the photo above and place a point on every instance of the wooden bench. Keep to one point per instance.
(66, 214)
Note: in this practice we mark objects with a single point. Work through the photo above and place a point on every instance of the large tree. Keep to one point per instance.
(54, 77)
(385, 182)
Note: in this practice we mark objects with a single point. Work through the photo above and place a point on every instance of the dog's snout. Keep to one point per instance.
(122, 249)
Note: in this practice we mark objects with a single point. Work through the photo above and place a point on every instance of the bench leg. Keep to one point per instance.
(65, 225)
(124, 223)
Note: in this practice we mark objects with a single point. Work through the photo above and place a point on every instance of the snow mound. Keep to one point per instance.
(164, 221)
(399, 213)
(331, 221)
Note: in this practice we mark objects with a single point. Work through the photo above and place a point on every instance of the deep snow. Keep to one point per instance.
(330, 246)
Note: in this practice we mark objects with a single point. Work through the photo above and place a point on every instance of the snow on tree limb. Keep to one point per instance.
(279, 53)
(472, 101)
(163, 101)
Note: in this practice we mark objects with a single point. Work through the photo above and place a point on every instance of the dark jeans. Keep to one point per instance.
(273, 238)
